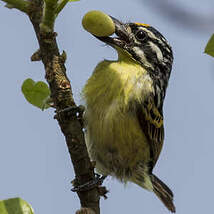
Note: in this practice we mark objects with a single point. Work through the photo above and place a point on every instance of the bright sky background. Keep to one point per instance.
(34, 161)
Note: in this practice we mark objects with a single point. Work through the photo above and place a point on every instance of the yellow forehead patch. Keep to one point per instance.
(141, 24)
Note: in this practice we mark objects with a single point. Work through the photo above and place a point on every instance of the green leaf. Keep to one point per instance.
(209, 49)
(36, 93)
(15, 206)
(73, 0)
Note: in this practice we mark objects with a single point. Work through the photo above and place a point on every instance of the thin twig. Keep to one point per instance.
(60, 6)
(48, 18)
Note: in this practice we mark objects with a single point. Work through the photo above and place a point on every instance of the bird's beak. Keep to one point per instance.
(122, 36)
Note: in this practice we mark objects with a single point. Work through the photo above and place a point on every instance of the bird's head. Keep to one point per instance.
(145, 45)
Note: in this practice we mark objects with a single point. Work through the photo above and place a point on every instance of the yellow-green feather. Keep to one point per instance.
(111, 126)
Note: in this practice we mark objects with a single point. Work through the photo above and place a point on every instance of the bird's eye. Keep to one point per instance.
(140, 35)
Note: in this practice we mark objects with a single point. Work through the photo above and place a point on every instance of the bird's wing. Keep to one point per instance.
(151, 122)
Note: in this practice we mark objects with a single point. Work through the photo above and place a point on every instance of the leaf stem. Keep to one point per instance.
(60, 6)
(48, 19)
(18, 4)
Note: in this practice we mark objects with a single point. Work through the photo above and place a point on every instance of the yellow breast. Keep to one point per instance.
(118, 80)
(113, 131)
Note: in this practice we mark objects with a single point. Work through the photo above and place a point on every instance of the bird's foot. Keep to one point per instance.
(71, 111)
(97, 182)
(90, 184)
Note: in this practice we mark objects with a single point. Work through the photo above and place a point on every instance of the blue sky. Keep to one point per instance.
(34, 161)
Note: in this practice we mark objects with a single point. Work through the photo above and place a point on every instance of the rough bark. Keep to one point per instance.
(61, 94)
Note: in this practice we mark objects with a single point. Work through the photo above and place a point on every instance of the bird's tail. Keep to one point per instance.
(163, 192)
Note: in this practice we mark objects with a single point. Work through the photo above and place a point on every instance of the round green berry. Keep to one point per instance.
(98, 23)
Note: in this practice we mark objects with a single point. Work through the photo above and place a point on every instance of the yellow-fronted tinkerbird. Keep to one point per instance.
(124, 107)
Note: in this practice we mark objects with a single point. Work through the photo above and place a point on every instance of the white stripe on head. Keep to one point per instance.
(150, 33)
(157, 50)
(162, 41)
(141, 54)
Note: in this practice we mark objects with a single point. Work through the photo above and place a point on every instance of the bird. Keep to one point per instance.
(124, 124)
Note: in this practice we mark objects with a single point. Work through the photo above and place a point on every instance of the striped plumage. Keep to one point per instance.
(124, 100)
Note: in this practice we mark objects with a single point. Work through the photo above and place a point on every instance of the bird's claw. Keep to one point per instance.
(71, 111)
(90, 184)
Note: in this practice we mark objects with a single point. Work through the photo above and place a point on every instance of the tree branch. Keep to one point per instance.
(61, 93)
